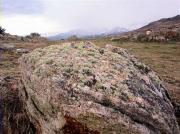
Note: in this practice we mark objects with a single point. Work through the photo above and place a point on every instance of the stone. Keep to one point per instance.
(22, 50)
(6, 46)
(78, 89)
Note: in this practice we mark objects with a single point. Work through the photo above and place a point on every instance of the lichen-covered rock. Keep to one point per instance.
(81, 88)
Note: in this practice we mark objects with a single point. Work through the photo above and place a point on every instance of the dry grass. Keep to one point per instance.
(15, 118)
(9, 58)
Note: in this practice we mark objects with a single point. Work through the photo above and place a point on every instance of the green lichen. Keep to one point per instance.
(49, 61)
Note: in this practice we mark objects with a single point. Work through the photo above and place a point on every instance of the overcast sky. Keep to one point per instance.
(54, 16)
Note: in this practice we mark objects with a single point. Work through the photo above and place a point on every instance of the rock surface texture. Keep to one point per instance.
(81, 88)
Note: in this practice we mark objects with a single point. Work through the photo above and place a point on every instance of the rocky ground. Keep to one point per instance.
(81, 88)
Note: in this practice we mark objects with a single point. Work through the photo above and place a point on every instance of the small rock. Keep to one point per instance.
(6, 46)
(22, 50)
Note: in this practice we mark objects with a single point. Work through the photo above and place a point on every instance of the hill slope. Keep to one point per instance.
(163, 25)
(167, 29)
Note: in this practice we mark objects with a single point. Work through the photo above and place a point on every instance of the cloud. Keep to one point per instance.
(10, 7)
(109, 13)
(26, 24)
(63, 15)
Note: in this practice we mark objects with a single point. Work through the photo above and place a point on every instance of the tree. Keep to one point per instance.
(35, 35)
(2, 30)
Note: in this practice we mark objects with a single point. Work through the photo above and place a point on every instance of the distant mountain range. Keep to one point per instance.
(88, 33)
(159, 27)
